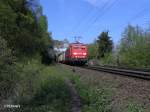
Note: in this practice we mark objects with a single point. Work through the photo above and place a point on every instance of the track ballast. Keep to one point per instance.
(126, 72)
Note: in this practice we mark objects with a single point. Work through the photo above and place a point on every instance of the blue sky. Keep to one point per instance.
(88, 18)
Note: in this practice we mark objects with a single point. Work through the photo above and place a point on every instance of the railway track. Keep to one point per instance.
(126, 72)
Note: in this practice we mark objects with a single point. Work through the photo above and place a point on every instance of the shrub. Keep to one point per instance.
(108, 59)
(134, 48)
(41, 88)
(8, 73)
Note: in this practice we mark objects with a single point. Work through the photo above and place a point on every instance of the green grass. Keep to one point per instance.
(97, 93)
(135, 107)
(42, 89)
(94, 99)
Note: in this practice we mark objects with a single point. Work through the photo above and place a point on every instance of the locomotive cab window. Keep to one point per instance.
(76, 47)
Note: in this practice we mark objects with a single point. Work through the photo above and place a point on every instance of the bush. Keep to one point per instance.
(41, 88)
(8, 73)
(108, 59)
(134, 50)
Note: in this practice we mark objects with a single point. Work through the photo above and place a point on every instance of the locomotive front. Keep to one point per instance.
(76, 53)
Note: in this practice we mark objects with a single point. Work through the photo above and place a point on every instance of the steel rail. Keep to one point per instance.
(132, 73)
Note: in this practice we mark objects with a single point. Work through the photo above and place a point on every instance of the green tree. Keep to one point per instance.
(92, 50)
(23, 35)
(24, 29)
(105, 44)
(134, 49)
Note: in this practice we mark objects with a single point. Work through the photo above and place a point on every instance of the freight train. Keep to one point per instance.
(76, 54)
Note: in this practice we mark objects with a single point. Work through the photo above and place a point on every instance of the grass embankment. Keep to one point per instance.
(41, 88)
(97, 95)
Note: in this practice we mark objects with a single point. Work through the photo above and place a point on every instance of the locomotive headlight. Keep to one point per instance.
(74, 53)
(84, 53)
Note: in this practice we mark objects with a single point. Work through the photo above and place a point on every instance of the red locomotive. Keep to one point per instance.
(76, 53)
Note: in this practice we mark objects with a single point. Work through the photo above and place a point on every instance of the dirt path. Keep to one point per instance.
(75, 102)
